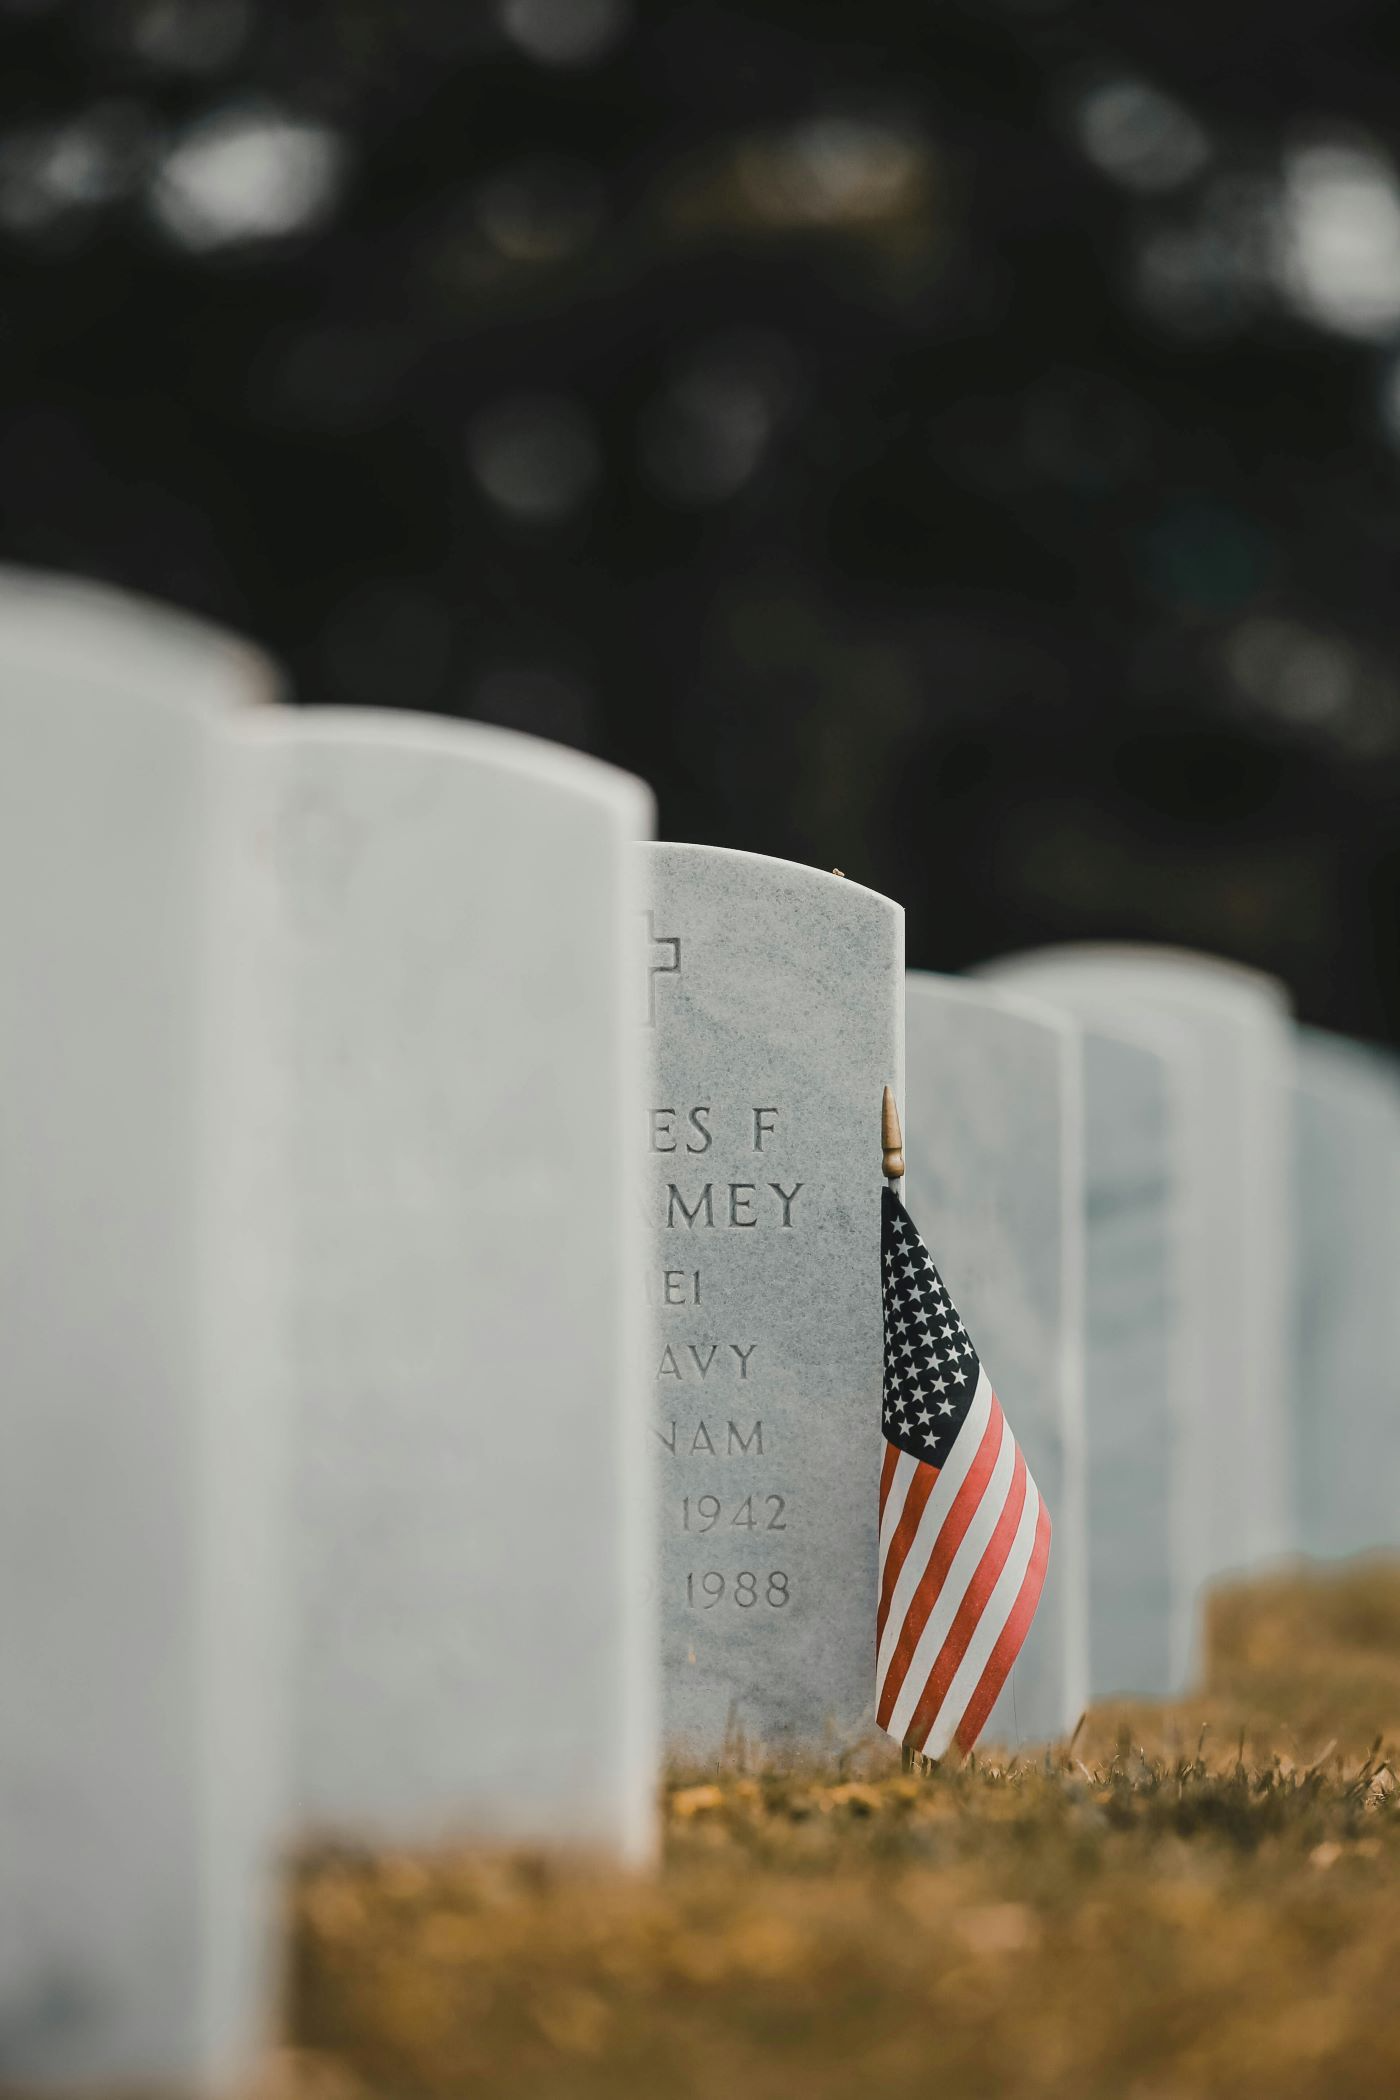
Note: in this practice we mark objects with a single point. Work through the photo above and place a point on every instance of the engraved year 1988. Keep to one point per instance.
(712, 1587)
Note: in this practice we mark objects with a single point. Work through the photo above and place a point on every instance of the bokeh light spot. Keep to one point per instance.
(50, 174)
(248, 174)
(535, 456)
(836, 170)
(1339, 262)
(1139, 136)
(706, 435)
(190, 36)
(566, 32)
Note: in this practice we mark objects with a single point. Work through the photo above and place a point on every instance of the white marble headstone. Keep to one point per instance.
(140, 1752)
(1234, 1152)
(1143, 1611)
(774, 1012)
(1347, 1306)
(472, 1518)
(994, 1144)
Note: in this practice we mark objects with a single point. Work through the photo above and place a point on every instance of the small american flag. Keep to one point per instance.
(964, 1535)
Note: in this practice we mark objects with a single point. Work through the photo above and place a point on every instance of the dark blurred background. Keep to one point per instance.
(956, 443)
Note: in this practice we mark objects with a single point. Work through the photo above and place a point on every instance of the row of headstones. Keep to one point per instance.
(356, 1071)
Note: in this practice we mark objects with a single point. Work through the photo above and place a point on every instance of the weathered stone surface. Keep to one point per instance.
(774, 1012)
(1233, 1046)
(1142, 1612)
(472, 1520)
(138, 1613)
(1347, 1307)
(995, 1184)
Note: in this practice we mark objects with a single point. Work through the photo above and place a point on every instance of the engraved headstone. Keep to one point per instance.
(1347, 1306)
(1142, 1607)
(140, 1766)
(774, 1014)
(995, 1182)
(1234, 1154)
(472, 1520)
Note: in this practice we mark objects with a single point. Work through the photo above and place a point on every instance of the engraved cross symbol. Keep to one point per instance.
(659, 969)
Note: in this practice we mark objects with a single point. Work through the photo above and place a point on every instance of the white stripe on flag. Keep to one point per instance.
(999, 1608)
(975, 1541)
(905, 1468)
(954, 1471)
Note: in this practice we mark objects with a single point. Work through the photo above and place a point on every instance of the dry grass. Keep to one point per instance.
(1151, 1916)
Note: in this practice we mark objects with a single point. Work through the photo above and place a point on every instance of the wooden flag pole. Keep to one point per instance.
(892, 1140)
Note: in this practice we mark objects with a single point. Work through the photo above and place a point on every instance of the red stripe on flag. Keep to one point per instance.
(969, 1612)
(887, 1474)
(920, 1488)
(1009, 1640)
(950, 1537)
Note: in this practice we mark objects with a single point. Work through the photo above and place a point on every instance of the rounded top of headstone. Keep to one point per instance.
(531, 760)
(92, 637)
(933, 987)
(725, 864)
(1147, 970)
(1342, 1070)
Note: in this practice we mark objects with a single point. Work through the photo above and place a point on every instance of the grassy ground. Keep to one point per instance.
(1196, 1901)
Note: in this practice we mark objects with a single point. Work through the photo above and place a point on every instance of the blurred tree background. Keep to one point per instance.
(956, 442)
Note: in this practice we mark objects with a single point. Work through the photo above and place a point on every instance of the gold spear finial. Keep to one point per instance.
(892, 1138)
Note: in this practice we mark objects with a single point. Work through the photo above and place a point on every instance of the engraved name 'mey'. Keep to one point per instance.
(726, 1204)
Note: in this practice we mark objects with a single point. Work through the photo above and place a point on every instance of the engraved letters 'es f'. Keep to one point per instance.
(657, 969)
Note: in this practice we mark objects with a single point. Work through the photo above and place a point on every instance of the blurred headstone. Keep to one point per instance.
(773, 1003)
(994, 1144)
(140, 1747)
(1347, 1306)
(1142, 1610)
(1234, 1042)
(472, 1520)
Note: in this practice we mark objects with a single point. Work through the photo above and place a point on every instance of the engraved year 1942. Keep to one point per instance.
(754, 1513)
